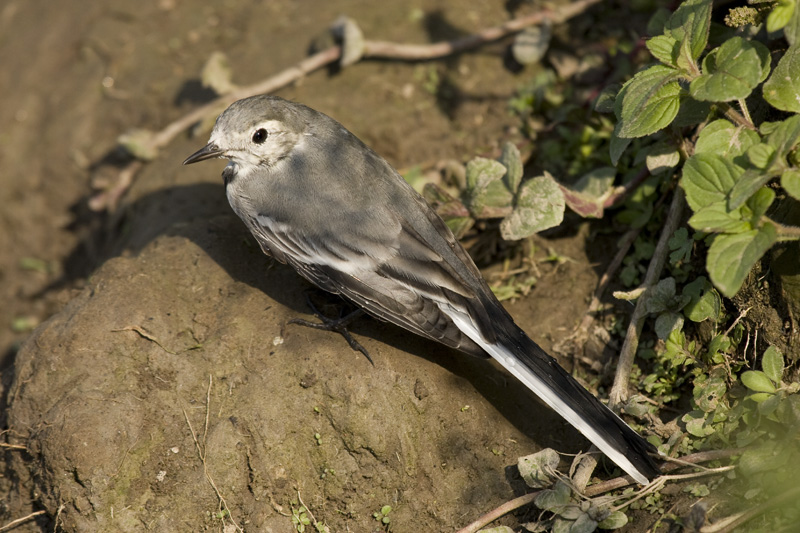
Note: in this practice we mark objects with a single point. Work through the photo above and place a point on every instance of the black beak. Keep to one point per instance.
(209, 151)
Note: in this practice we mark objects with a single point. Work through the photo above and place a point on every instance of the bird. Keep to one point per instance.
(316, 197)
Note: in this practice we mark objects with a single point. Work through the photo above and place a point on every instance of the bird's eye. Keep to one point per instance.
(260, 136)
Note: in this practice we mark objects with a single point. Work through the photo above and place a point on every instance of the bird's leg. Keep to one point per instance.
(339, 325)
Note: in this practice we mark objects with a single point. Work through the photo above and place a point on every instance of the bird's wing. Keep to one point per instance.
(399, 280)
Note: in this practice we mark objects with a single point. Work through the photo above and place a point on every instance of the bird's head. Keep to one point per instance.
(256, 131)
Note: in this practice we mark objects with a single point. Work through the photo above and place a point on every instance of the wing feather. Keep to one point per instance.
(401, 281)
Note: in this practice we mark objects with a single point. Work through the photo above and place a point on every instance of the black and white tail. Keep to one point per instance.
(545, 377)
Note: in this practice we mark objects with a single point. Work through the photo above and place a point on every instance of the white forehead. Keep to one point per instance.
(225, 130)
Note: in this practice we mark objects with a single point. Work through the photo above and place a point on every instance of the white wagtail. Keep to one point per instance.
(316, 197)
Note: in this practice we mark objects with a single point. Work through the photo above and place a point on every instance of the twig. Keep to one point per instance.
(497, 512)
(145, 335)
(19, 521)
(418, 52)
(659, 482)
(308, 511)
(619, 391)
(109, 199)
(13, 446)
(622, 191)
(201, 453)
(601, 488)
(61, 507)
(732, 522)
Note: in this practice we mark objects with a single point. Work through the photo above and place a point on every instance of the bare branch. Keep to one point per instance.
(109, 199)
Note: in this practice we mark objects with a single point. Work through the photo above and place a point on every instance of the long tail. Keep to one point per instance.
(545, 377)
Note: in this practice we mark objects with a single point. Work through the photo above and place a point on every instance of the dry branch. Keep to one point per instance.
(109, 198)
(601, 488)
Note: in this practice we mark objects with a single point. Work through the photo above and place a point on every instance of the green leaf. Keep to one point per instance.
(452, 211)
(708, 394)
(561, 526)
(707, 178)
(784, 135)
(757, 381)
(731, 257)
(650, 101)
(782, 89)
(664, 48)
(780, 15)
(790, 181)
(537, 469)
(604, 103)
(511, 159)
(539, 206)
(583, 524)
(749, 182)
(685, 60)
(720, 343)
(615, 520)
(721, 137)
(661, 296)
(770, 405)
(772, 364)
(666, 323)
(707, 304)
(691, 21)
(759, 203)
(792, 30)
(487, 194)
(717, 217)
(617, 144)
(731, 71)
(662, 157)
(551, 499)
(696, 424)
(589, 194)
(761, 155)
(680, 245)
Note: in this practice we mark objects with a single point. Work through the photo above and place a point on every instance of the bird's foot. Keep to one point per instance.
(339, 325)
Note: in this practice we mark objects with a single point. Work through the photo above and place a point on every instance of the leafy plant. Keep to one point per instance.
(731, 172)
(494, 189)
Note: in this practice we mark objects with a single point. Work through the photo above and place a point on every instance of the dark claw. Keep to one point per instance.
(339, 325)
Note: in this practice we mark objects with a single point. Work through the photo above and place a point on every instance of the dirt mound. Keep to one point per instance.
(172, 342)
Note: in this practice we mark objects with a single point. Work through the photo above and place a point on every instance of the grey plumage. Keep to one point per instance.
(316, 197)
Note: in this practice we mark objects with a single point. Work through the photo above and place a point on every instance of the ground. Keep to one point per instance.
(162, 343)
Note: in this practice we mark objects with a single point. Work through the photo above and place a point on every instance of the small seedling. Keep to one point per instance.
(382, 516)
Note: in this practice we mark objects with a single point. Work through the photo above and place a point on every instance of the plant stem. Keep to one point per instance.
(785, 231)
(18, 521)
(594, 490)
(619, 391)
(736, 117)
(745, 111)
